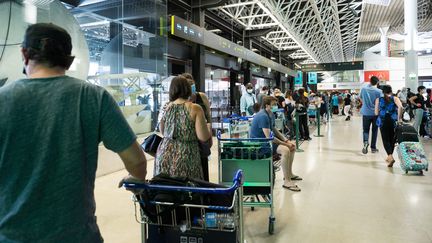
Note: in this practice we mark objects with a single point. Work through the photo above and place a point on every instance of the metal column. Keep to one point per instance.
(411, 58)
(198, 52)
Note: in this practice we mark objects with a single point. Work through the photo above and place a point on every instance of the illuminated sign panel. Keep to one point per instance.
(188, 31)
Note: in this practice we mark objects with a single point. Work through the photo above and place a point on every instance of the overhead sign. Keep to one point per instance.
(298, 80)
(382, 75)
(312, 78)
(188, 31)
(336, 66)
(339, 86)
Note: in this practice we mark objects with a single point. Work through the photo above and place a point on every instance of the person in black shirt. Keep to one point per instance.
(419, 105)
(347, 107)
(302, 103)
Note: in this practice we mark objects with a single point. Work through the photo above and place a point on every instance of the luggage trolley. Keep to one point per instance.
(254, 157)
(184, 223)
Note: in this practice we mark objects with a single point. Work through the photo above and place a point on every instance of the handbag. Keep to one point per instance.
(151, 144)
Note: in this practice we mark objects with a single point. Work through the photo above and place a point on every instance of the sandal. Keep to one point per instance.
(293, 188)
(296, 178)
(390, 164)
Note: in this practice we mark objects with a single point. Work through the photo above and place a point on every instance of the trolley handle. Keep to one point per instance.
(219, 137)
(237, 182)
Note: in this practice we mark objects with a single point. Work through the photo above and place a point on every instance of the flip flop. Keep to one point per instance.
(296, 178)
(294, 188)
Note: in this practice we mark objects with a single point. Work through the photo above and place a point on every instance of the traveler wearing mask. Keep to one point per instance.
(262, 125)
(247, 101)
(49, 153)
(389, 110)
(201, 99)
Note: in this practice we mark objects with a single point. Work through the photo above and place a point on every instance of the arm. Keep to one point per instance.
(162, 126)
(242, 105)
(281, 140)
(412, 100)
(399, 106)
(267, 134)
(209, 122)
(135, 161)
(201, 128)
(377, 107)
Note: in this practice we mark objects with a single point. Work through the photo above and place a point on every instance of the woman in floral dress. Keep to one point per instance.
(182, 126)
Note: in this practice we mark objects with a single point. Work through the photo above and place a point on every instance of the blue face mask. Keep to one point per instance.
(274, 108)
(193, 88)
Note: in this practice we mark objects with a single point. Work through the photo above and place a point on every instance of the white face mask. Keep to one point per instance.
(249, 91)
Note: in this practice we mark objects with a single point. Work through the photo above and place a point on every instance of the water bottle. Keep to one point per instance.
(226, 221)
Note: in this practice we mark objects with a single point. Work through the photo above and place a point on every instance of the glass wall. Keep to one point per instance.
(127, 42)
(120, 45)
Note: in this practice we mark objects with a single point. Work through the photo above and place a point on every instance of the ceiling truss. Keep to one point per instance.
(320, 30)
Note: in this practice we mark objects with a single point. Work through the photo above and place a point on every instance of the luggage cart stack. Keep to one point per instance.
(194, 221)
(254, 157)
(237, 126)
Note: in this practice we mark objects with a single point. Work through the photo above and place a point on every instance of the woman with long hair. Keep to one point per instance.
(389, 110)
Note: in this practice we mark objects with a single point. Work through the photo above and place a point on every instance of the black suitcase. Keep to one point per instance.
(406, 133)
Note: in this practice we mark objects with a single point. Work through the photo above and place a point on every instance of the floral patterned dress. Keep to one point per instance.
(178, 154)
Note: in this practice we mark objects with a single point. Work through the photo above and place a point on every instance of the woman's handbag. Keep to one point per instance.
(151, 144)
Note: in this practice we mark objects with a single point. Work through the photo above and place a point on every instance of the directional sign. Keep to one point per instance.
(312, 78)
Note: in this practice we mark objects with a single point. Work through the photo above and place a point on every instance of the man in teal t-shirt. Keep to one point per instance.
(50, 129)
(368, 96)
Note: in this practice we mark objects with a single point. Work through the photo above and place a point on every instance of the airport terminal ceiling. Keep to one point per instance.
(307, 31)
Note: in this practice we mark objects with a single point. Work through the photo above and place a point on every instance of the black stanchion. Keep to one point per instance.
(298, 133)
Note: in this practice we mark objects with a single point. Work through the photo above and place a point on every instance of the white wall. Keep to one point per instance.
(396, 66)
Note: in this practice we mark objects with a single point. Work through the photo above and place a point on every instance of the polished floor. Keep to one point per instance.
(346, 197)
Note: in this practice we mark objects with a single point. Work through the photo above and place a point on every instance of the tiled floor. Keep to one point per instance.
(346, 197)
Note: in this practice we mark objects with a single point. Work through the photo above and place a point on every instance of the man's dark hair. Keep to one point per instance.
(374, 80)
(420, 88)
(267, 100)
(179, 88)
(256, 107)
(428, 91)
(264, 88)
(49, 45)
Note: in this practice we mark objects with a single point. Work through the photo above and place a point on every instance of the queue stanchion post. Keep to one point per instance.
(297, 123)
(317, 114)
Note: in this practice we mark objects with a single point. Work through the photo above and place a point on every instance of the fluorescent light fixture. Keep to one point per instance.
(269, 70)
(254, 49)
(378, 2)
(286, 75)
(215, 31)
(273, 58)
(428, 51)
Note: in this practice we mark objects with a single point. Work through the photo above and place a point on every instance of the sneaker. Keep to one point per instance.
(365, 148)
(374, 150)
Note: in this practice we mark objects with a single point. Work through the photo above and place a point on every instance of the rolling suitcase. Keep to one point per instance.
(406, 133)
(412, 157)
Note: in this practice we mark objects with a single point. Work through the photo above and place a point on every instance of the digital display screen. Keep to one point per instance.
(337, 66)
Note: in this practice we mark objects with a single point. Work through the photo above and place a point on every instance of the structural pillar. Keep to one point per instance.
(411, 58)
(198, 52)
(234, 100)
(384, 41)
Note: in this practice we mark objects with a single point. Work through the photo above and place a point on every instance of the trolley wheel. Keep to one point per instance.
(426, 169)
(406, 171)
(253, 208)
(271, 225)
